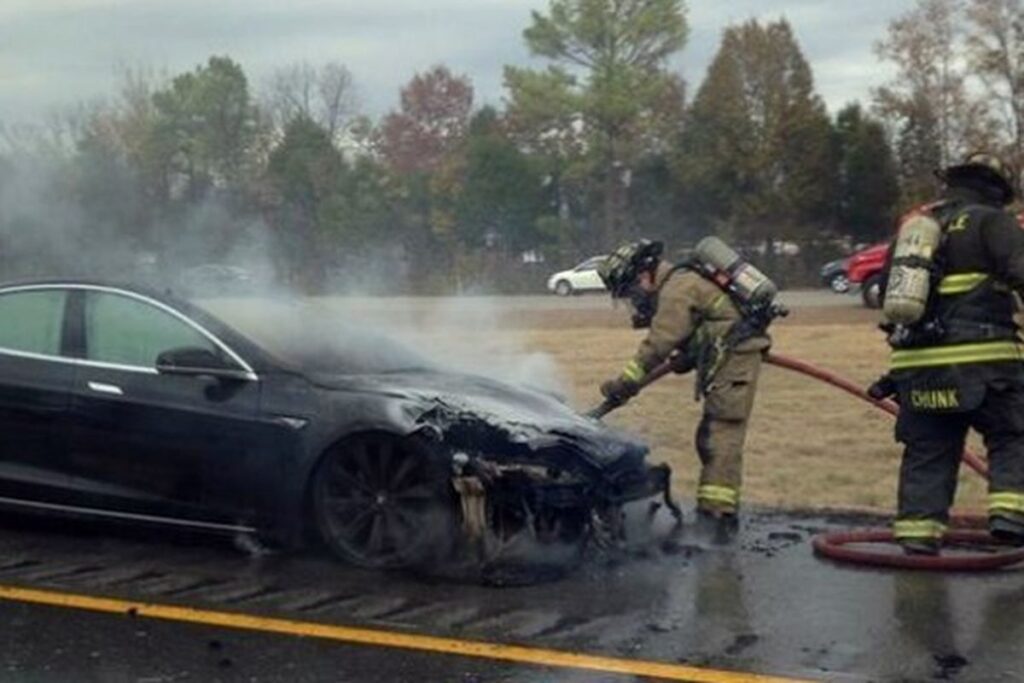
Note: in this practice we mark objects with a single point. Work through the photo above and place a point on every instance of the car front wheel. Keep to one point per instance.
(563, 288)
(383, 502)
(840, 284)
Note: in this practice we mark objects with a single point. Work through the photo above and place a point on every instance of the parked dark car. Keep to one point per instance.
(128, 404)
(833, 276)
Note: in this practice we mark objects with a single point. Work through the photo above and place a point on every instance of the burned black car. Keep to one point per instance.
(129, 404)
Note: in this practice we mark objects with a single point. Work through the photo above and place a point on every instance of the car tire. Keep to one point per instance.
(563, 288)
(871, 291)
(383, 502)
(839, 283)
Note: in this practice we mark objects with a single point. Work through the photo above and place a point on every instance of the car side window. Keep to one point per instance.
(126, 331)
(32, 321)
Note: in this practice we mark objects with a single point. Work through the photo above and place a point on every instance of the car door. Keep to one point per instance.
(586, 275)
(151, 443)
(35, 380)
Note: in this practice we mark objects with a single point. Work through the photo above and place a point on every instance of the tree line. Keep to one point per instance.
(604, 142)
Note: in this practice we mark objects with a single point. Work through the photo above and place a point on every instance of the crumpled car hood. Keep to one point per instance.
(474, 412)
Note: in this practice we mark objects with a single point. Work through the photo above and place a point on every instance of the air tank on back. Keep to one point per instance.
(747, 283)
(906, 296)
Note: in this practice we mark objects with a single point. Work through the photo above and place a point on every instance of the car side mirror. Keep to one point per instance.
(197, 362)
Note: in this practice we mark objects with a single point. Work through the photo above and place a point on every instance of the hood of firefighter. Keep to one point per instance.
(493, 418)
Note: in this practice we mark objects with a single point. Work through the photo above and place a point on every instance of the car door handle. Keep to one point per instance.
(102, 388)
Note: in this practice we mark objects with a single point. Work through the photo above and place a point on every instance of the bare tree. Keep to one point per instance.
(325, 95)
(995, 44)
(925, 45)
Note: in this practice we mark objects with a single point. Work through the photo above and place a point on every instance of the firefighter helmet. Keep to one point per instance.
(619, 271)
(984, 167)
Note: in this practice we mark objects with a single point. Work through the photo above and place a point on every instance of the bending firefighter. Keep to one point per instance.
(956, 269)
(710, 314)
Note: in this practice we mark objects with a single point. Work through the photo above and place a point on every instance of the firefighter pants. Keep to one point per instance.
(723, 430)
(934, 442)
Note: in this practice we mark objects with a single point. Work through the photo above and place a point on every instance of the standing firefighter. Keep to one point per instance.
(710, 314)
(956, 269)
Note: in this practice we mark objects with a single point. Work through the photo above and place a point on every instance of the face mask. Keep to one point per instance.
(643, 305)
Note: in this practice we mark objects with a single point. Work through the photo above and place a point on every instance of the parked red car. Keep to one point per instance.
(865, 268)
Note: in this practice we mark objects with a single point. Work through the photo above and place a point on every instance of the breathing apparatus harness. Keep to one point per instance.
(749, 290)
(915, 272)
(915, 318)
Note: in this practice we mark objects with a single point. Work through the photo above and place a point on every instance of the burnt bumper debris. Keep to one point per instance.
(528, 478)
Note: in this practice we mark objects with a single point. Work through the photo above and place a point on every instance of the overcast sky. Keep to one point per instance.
(58, 52)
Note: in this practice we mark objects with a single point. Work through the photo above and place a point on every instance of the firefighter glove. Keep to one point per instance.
(620, 389)
(682, 363)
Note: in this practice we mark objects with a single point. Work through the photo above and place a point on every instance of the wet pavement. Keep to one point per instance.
(762, 604)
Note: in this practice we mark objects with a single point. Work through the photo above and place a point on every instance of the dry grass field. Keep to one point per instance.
(809, 445)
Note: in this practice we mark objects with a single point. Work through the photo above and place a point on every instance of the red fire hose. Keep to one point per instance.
(854, 546)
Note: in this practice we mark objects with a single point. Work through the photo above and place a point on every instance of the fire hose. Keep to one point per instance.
(848, 546)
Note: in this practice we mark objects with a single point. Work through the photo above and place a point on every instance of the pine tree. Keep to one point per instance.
(868, 180)
(609, 85)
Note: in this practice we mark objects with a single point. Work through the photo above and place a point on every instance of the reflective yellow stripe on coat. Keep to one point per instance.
(918, 528)
(1006, 501)
(961, 283)
(982, 352)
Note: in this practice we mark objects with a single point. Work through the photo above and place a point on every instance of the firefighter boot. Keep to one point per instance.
(1007, 528)
(718, 526)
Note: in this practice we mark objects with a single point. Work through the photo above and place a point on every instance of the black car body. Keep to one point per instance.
(118, 402)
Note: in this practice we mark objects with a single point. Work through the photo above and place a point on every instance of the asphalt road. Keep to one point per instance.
(764, 604)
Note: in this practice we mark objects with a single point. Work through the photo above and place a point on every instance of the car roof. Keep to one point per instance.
(254, 354)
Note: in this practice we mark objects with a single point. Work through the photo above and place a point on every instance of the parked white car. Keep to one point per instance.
(582, 278)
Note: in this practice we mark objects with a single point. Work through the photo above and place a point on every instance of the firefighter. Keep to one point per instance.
(956, 362)
(695, 320)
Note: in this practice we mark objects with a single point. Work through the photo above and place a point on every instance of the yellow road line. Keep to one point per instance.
(408, 641)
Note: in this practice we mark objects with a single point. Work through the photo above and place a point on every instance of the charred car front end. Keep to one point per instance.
(512, 470)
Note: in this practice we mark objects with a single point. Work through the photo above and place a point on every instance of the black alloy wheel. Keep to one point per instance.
(383, 502)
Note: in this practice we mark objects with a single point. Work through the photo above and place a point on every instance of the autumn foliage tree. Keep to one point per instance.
(430, 124)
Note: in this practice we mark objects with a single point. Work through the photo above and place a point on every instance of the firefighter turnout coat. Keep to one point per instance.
(963, 368)
(693, 316)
